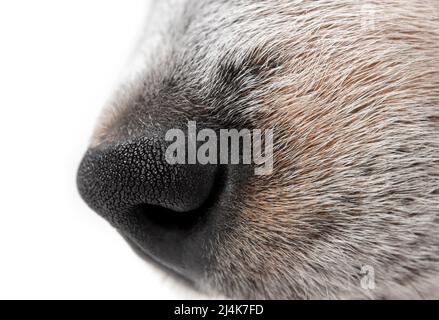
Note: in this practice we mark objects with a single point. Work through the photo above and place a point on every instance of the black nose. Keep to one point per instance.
(117, 177)
(155, 204)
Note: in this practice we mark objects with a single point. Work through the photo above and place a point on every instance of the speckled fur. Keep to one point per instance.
(355, 110)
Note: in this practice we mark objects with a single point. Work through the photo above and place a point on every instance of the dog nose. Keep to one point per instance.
(170, 213)
(116, 178)
(160, 208)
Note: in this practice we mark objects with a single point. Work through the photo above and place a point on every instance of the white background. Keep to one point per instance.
(59, 61)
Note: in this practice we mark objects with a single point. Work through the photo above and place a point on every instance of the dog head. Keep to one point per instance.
(351, 93)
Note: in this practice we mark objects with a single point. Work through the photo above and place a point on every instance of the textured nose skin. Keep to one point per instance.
(116, 178)
(158, 207)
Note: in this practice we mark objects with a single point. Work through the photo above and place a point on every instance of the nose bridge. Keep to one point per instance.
(118, 177)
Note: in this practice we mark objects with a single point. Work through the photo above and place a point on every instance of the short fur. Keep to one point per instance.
(354, 101)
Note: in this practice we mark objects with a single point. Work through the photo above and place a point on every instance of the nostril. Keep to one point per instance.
(135, 174)
(167, 219)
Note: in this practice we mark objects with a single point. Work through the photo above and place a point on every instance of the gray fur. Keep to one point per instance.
(356, 114)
